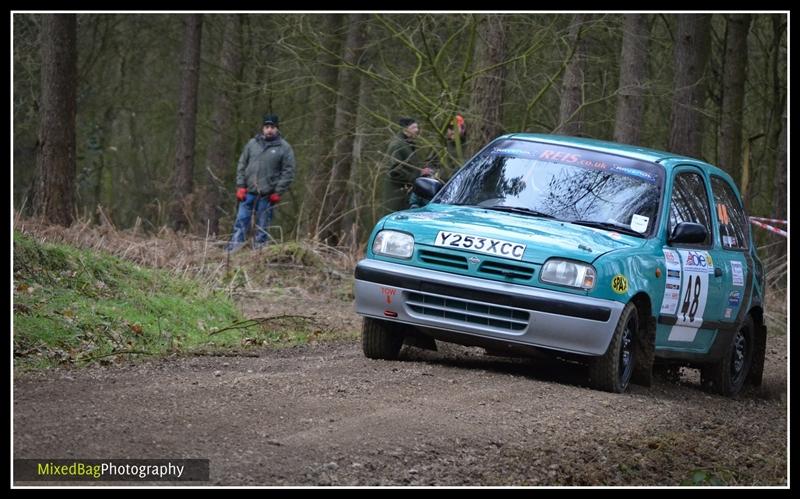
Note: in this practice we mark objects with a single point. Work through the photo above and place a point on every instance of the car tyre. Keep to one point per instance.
(612, 371)
(727, 377)
(380, 339)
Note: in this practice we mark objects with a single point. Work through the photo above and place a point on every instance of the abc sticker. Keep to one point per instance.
(619, 284)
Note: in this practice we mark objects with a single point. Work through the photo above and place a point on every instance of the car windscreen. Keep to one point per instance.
(570, 184)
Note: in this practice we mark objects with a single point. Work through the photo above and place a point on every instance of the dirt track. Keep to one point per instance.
(325, 415)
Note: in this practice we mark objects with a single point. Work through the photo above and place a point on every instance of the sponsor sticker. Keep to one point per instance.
(619, 284)
(734, 298)
(672, 283)
(497, 247)
(672, 296)
(563, 157)
(737, 273)
(639, 223)
(632, 172)
(728, 312)
(513, 152)
(697, 261)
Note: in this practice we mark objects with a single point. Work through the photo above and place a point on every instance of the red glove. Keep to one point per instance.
(241, 193)
(274, 198)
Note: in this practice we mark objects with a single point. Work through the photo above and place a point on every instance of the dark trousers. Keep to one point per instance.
(263, 212)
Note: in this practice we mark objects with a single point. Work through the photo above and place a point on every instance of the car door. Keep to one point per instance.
(733, 255)
(692, 293)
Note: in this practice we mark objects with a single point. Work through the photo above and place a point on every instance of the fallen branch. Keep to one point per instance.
(118, 352)
(260, 321)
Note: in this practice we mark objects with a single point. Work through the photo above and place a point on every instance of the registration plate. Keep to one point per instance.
(496, 247)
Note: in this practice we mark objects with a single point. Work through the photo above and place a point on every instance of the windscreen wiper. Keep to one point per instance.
(520, 210)
(608, 226)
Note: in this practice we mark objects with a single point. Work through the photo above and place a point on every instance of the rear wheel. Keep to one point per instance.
(381, 339)
(612, 371)
(727, 376)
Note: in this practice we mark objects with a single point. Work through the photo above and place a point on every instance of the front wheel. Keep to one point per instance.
(381, 339)
(727, 376)
(612, 371)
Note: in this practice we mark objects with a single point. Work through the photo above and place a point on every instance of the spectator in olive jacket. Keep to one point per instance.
(443, 169)
(403, 165)
(265, 171)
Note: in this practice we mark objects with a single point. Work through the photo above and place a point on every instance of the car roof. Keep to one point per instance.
(635, 152)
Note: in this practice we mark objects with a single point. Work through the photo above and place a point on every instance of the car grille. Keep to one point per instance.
(468, 312)
(493, 269)
(443, 259)
(507, 270)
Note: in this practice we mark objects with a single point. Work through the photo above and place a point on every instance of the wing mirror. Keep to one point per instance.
(688, 233)
(427, 187)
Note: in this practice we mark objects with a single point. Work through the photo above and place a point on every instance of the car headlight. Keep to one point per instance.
(568, 273)
(393, 244)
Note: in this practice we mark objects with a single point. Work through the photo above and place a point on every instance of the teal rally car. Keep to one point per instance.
(619, 256)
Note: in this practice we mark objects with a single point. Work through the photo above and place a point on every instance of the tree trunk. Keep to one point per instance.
(691, 51)
(55, 164)
(487, 87)
(733, 79)
(323, 128)
(570, 121)
(221, 155)
(187, 118)
(361, 192)
(344, 129)
(776, 121)
(632, 78)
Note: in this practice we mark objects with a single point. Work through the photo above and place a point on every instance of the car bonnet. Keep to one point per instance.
(543, 238)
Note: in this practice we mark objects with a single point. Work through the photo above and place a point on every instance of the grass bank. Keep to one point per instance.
(75, 307)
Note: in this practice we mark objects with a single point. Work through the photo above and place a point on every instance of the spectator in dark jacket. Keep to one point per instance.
(265, 171)
(403, 166)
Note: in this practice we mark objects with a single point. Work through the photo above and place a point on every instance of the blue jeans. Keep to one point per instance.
(263, 210)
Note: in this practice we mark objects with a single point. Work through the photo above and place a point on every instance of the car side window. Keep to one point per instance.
(689, 203)
(733, 226)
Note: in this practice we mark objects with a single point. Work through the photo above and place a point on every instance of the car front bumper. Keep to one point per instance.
(486, 309)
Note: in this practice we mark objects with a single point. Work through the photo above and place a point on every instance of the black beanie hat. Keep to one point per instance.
(270, 119)
(404, 122)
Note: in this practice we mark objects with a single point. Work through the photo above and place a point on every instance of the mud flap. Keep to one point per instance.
(645, 351)
(421, 340)
(759, 352)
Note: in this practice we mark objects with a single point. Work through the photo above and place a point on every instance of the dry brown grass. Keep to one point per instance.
(187, 255)
(776, 266)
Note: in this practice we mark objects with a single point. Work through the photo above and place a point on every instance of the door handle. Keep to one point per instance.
(717, 272)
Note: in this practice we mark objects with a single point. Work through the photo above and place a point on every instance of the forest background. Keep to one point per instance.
(139, 119)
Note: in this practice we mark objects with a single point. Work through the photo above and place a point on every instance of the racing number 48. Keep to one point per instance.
(691, 308)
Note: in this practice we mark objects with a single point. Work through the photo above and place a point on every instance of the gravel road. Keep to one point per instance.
(325, 415)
